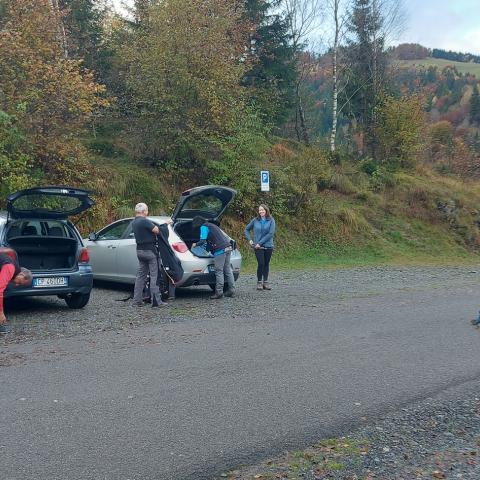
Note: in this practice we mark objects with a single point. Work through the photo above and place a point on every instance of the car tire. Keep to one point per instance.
(77, 300)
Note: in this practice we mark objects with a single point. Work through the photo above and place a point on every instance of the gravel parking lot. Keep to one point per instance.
(42, 317)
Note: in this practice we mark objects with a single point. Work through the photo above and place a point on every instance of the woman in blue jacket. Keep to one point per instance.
(263, 227)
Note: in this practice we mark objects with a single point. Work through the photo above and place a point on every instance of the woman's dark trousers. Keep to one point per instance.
(263, 259)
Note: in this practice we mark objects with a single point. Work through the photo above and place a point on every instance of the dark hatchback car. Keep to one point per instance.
(37, 228)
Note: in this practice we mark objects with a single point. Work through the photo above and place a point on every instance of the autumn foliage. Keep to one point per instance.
(50, 96)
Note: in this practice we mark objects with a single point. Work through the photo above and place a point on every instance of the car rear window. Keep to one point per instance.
(38, 228)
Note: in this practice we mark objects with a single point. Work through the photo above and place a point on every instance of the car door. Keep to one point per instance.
(127, 264)
(103, 250)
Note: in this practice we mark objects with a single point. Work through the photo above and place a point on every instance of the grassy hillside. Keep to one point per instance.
(462, 67)
(347, 216)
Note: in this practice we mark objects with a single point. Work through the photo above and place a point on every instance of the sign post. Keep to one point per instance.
(264, 181)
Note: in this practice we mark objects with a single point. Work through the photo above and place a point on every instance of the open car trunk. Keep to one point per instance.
(43, 245)
(191, 235)
(187, 233)
(43, 253)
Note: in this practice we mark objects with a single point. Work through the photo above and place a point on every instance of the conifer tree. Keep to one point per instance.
(273, 75)
(475, 105)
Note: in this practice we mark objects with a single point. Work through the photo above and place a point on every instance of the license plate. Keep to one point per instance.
(45, 282)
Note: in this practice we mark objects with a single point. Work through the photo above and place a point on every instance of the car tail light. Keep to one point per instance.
(180, 247)
(84, 256)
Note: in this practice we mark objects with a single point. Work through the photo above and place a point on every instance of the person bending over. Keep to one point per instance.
(216, 242)
(10, 271)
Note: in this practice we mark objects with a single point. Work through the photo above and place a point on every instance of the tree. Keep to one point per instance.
(183, 77)
(272, 75)
(303, 18)
(83, 20)
(51, 97)
(475, 105)
(15, 162)
(338, 22)
(370, 24)
(401, 128)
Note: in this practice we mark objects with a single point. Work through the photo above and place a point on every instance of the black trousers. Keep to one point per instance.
(263, 260)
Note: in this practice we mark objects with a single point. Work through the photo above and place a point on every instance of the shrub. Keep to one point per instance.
(369, 166)
(400, 134)
(342, 184)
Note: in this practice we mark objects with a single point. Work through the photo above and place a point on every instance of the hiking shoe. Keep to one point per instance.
(216, 296)
(4, 329)
(138, 304)
(266, 286)
(259, 286)
(230, 292)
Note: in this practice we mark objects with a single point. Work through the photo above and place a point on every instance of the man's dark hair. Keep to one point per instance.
(197, 222)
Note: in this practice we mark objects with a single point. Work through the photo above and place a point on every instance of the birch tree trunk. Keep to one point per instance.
(61, 35)
(333, 134)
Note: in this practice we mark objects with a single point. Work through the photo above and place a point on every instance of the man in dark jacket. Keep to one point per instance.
(10, 271)
(216, 242)
(146, 232)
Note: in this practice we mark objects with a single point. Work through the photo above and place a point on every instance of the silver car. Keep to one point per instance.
(37, 228)
(113, 249)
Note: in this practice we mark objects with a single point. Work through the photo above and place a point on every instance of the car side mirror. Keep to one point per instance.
(92, 236)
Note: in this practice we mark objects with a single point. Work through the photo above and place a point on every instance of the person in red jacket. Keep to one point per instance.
(10, 271)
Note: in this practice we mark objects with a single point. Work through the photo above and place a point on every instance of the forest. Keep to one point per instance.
(370, 160)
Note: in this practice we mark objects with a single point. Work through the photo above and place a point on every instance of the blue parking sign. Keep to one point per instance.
(265, 181)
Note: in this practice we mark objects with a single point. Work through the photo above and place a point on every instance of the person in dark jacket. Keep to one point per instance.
(263, 227)
(216, 242)
(10, 271)
(146, 232)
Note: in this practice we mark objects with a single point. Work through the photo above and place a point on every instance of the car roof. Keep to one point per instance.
(159, 219)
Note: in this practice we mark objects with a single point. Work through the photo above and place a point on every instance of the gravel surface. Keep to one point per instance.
(436, 438)
(43, 317)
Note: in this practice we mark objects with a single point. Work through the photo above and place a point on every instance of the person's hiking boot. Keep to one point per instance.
(138, 304)
(216, 296)
(266, 286)
(4, 329)
(230, 292)
(259, 286)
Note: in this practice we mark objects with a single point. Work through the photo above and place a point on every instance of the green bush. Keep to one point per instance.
(369, 166)
(15, 163)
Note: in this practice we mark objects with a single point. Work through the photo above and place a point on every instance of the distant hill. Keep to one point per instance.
(462, 67)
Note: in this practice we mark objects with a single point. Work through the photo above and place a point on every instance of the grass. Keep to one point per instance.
(462, 67)
(327, 457)
(354, 221)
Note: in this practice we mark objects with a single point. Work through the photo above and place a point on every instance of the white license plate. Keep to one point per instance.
(45, 282)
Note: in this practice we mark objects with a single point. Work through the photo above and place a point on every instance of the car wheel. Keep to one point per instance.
(77, 300)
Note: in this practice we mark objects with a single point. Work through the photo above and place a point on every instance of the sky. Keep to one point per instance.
(448, 24)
